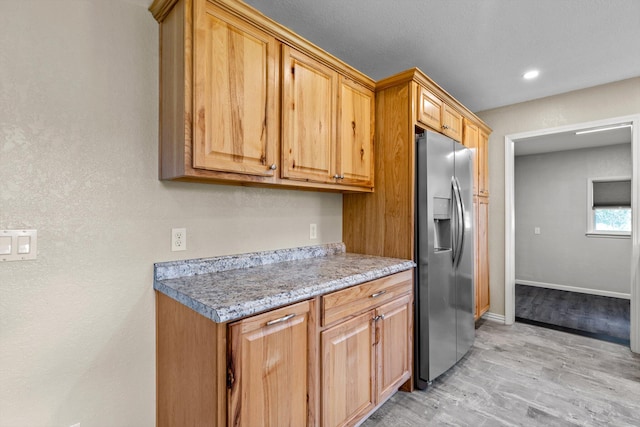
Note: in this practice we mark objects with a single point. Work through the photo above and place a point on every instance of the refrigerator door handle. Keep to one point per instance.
(460, 221)
(454, 222)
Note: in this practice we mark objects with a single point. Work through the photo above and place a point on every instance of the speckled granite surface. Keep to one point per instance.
(229, 288)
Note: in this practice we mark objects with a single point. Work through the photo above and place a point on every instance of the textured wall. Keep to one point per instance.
(601, 102)
(78, 162)
(551, 193)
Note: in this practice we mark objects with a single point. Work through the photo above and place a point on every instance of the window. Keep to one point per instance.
(609, 210)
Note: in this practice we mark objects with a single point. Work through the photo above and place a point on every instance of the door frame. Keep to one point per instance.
(509, 215)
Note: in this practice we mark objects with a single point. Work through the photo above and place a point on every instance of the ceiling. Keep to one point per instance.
(477, 50)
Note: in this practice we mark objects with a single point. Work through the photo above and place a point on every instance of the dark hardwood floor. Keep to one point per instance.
(599, 317)
(524, 375)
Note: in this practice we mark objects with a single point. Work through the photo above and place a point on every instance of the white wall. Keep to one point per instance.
(551, 193)
(600, 102)
(78, 162)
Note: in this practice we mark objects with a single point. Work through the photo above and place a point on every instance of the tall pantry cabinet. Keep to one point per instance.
(383, 223)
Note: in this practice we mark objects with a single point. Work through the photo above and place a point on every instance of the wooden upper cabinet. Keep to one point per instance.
(438, 115)
(244, 100)
(451, 122)
(354, 153)
(429, 109)
(268, 368)
(483, 164)
(470, 137)
(308, 110)
(327, 124)
(236, 120)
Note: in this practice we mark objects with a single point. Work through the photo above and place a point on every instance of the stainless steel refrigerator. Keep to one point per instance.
(444, 325)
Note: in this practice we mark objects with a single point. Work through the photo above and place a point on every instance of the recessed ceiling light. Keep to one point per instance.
(531, 74)
(582, 132)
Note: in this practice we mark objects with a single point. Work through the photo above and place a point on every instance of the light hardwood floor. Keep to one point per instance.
(524, 375)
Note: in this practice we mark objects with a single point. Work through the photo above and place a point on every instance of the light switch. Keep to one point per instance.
(18, 245)
(5, 245)
(24, 244)
(536, 230)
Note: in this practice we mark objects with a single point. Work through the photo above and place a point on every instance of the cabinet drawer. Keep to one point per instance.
(353, 300)
(284, 315)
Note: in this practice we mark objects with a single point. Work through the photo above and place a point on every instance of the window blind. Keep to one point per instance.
(607, 194)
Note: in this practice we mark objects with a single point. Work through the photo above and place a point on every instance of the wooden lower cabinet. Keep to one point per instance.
(366, 358)
(268, 368)
(284, 367)
(394, 342)
(347, 371)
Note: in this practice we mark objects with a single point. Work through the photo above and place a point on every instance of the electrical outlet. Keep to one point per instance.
(178, 239)
(313, 231)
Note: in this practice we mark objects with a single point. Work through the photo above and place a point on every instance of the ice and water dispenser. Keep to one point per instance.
(441, 224)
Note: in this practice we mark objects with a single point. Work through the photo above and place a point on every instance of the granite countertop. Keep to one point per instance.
(228, 288)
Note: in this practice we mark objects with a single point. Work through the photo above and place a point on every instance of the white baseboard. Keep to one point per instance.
(574, 289)
(494, 317)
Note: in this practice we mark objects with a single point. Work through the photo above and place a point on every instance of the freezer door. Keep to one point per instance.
(465, 295)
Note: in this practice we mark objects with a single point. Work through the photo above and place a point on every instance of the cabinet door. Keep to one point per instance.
(429, 109)
(347, 370)
(483, 163)
(268, 368)
(482, 256)
(451, 122)
(236, 124)
(470, 140)
(394, 332)
(308, 112)
(354, 154)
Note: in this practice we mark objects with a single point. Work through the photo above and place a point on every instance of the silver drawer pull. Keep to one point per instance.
(377, 294)
(282, 319)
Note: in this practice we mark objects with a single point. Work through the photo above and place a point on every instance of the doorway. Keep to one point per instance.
(510, 146)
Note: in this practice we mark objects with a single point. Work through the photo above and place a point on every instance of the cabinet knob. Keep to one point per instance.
(273, 167)
(445, 127)
(336, 176)
(342, 176)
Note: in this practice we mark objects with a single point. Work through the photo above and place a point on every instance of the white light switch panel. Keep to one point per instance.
(18, 245)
